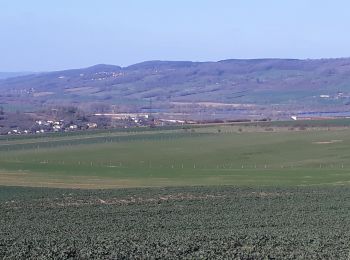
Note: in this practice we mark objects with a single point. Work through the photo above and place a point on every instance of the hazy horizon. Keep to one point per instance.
(91, 65)
(44, 36)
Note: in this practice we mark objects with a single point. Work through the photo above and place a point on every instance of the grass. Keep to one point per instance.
(178, 157)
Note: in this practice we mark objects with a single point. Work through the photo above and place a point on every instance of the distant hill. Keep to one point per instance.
(5, 75)
(270, 84)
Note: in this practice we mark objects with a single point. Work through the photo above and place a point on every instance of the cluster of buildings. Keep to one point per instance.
(47, 126)
(338, 95)
(108, 120)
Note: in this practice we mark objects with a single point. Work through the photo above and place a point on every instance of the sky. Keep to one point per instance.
(42, 35)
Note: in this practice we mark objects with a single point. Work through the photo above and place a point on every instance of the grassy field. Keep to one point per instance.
(226, 154)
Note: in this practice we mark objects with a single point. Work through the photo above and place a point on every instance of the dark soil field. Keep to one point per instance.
(171, 223)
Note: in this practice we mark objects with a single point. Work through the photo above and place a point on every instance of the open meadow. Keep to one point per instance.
(212, 155)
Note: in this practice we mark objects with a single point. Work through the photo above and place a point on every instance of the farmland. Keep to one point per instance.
(244, 191)
(225, 154)
(188, 223)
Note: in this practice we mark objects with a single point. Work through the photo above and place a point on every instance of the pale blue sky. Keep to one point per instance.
(41, 35)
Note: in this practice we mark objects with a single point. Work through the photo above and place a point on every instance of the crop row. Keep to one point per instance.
(196, 222)
(94, 140)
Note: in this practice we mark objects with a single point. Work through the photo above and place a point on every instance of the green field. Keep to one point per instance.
(268, 191)
(216, 155)
(175, 223)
